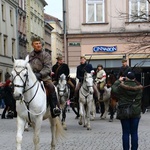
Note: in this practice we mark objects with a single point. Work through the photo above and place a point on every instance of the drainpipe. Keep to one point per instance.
(64, 31)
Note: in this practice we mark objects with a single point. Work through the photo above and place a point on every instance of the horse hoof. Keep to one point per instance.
(89, 128)
(26, 129)
(76, 117)
(80, 123)
(110, 120)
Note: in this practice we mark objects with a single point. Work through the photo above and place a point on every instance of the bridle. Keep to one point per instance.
(86, 88)
(24, 86)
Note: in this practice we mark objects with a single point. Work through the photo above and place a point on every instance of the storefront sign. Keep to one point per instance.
(104, 48)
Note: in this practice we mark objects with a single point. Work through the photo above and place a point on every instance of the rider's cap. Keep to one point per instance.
(82, 57)
(59, 57)
(124, 60)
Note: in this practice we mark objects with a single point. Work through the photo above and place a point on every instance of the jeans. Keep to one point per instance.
(130, 127)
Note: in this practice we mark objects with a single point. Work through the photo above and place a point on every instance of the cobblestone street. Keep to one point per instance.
(104, 135)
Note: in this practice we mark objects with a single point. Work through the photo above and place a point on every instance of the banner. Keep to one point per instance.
(104, 48)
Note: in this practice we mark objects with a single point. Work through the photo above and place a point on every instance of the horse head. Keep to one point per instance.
(110, 79)
(20, 76)
(62, 84)
(88, 81)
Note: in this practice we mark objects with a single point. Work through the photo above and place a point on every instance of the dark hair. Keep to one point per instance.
(33, 39)
(100, 66)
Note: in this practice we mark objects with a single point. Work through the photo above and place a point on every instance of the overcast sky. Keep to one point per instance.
(54, 8)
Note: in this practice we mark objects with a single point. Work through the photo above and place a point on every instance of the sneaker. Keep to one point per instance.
(56, 111)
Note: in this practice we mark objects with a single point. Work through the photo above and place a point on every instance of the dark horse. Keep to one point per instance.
(110, 79)
(74, 104)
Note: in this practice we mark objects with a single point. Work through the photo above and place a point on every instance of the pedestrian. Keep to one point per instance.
(124, 69)
(129, 93)
(40, 62)
(8, 100)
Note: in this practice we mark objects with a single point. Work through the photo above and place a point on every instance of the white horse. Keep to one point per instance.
(85, 100)
(31, 103)
(106, 100)
(63, 96)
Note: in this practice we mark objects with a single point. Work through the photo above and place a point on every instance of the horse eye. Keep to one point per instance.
(25, 75)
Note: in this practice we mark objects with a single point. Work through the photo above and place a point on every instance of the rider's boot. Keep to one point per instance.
(54, 106)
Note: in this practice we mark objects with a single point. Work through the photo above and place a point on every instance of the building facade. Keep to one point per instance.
(107, 31)
(8, 36)
(21, 20)
(34, 20)
(56, 40)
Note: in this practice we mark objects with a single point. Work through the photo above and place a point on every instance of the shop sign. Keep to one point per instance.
(104, 48)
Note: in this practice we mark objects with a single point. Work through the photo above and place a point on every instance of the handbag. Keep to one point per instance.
(124, 111)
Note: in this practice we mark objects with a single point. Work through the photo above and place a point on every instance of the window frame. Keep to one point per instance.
(95, 2)
(138, 11)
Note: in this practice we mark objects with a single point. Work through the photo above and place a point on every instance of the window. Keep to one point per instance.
(95, 11)
(3, 12)
(13, 46)
(5, 45)
(11, 16)
(138, 10)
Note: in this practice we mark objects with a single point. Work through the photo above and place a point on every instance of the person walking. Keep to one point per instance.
(40, 62)
(129, 93)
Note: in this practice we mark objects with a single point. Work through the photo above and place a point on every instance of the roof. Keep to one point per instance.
(49, 18)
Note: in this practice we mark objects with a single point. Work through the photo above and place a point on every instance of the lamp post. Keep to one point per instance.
(64, 31)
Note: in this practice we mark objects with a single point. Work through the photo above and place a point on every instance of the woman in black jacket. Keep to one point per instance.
(129, 93)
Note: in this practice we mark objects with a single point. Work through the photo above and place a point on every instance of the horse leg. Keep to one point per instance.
(81, 114)
(53, 132)
(106, 104)
(26, 127)
(112, 109)
(20, 129)
(64, 117)
(93, 111)
(37, 129)
(102, 109)
(88, 110)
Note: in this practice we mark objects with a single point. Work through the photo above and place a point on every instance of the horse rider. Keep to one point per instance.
(61, 68)
(40, 62)
(81, 69)
(124, 69)
(100, 79)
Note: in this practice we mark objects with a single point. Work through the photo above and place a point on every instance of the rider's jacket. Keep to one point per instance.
(123, 71)
(60, 69)
(101, 76)
(40, 63)
(81, 69)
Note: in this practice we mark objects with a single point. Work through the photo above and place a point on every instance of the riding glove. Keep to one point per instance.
(38, 76)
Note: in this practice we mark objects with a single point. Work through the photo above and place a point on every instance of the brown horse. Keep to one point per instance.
(110, 79)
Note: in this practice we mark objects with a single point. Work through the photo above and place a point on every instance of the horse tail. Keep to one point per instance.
(59, 129)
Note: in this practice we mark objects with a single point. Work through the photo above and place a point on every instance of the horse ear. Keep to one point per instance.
(27, 58)
(13, 59)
